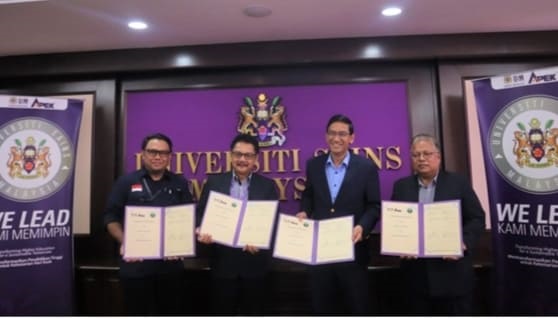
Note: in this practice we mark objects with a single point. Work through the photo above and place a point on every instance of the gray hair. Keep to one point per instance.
(426, 137)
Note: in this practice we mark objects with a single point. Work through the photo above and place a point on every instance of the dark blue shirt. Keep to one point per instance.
(138, 189)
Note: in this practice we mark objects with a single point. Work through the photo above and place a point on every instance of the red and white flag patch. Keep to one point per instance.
(137, 188)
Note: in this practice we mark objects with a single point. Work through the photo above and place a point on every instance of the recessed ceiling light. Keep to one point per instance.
(137, 25)
(373, 51)
(391, 11)
(257, 11)
(184, 60)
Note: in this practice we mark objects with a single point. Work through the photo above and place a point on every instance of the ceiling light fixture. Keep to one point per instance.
(391, 11)
(18, 1)
(373, 51)
(137, 25)
(183, 60)
(257, 11)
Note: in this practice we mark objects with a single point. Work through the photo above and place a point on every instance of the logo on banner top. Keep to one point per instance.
(264, 120)
(29, 102)
(523, 144)
(38, 158)
(524, 79)
(538, 78)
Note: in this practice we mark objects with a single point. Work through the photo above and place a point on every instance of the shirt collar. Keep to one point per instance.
(345, 161)
(145, 173)
(235, 177)
(434, 182)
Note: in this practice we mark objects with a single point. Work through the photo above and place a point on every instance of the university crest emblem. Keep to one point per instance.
(523, 144)
(534, 147)
(38, 158)
(30, 160)
(264, 120)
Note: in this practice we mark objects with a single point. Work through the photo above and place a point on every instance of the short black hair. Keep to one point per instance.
(343, 119)
(246, 138)
(156, 136)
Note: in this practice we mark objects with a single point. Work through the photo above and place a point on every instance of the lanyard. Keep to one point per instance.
(148, 190)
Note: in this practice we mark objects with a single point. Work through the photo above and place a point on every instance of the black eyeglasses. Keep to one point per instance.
(238, 155)
(153, 153)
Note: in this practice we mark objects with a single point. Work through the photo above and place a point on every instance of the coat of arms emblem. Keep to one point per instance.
(522, 142)
(29, 160)
(37, 159)
(535, 147)
(263, 119)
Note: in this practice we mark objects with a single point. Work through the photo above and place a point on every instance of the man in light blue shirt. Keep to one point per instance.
(342, 184)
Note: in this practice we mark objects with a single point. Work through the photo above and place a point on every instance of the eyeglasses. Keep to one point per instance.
(153, 153)
(342, 134)
(425, 155)
(238, 155)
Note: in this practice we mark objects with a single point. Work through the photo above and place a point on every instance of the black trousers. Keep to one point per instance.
(238, 296)
(445, 306)
(158, 294)
(340, 289)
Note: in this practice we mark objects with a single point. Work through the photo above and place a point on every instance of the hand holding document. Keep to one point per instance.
(421, 230)
(158, 232)
(314, 242)
(236, 223)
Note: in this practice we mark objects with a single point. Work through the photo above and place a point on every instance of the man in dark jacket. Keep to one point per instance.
(342, 184)
(439, 285)
(238, 275)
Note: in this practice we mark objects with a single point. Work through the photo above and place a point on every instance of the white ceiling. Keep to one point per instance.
(88, 25)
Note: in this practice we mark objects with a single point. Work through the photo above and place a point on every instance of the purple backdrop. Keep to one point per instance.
(202, 121)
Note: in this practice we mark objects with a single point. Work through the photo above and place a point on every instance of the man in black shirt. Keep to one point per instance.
(150, 286)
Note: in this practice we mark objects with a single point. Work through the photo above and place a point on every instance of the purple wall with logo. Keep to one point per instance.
(205, 121)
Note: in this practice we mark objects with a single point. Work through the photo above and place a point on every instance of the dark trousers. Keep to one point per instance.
(161, 294)
(238, 296)
(425, 305)
(340, 289)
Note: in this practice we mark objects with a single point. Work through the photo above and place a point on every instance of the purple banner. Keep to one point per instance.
(37, 152)
(289, 121)
(518, 116)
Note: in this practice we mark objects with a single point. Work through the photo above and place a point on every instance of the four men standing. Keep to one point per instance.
(338, 184)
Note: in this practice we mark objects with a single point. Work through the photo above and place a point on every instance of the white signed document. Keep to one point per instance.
(314, 242)
(158, 232)
(142, 232)
(335, 240)
(221, 218)
(179, 224)
(257, 223)
(400, 228)
(442, 229)
(421, 229)
(294, 239)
